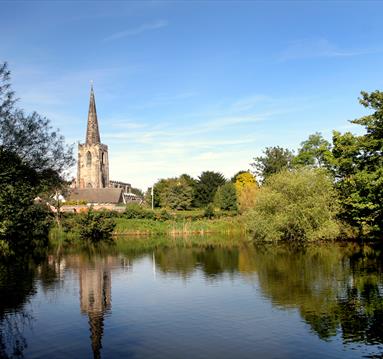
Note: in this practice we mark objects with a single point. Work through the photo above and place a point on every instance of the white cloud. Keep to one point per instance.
(137, 30)
(311, 48)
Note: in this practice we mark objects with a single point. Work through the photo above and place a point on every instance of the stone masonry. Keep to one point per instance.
(93, 163)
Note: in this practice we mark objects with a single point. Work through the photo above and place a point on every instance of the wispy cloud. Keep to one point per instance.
(138, 30)
(312, 48)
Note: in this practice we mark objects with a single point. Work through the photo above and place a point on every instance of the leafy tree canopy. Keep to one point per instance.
(357, 162)
(207, 184)
(315, 151)
(274, 160)
(298, 205)
(226, 197)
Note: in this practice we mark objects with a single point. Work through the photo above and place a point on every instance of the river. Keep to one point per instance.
(185, 300)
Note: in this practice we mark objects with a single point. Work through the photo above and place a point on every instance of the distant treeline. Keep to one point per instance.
(323, 191)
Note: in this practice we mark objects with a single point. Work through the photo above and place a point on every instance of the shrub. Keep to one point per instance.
(96, 226)
(209, 211)
(135, 211)
(299, 205)
(226, 197)
(164, 215)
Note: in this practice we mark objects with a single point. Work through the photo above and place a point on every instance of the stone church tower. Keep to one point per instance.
(93, 164)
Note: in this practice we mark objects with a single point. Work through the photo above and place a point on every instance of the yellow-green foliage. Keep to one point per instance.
(246, 186)
(296, 205)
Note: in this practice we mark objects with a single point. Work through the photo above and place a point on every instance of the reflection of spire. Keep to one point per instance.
(96, 324)
(95, 300)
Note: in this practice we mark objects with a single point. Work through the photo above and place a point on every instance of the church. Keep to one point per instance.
(92, 184)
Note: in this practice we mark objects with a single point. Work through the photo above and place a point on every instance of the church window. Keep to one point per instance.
(88, 159)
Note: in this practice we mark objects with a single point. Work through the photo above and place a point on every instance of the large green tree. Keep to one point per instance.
(174, 193)
(358, 167)
(315, 151)
(274, 160)
(34, 159)
(207, 185)
(226, 197)
(297, 205)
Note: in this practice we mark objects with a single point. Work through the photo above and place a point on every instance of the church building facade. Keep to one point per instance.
(92, 184)
(93, 163)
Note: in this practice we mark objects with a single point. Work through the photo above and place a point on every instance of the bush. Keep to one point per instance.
(164, 215)
(209, 211)
(300, 205)
(226, 197)
(135, 211)
(96, 226)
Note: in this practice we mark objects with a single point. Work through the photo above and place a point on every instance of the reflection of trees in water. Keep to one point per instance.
(16, 287)
(333, 287)
(184, 261)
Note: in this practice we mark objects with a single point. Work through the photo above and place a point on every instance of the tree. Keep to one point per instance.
(174, 193)
(275, 159)
(34, 159)
(207, 184)
(246, 186)
(357, 162)
(315, 151)
(178, 194)
(23, 224)
(226, 197)
(297, 205)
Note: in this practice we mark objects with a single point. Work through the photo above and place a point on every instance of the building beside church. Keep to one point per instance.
(92, 184)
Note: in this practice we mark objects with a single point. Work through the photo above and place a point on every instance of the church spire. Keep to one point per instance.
(92, 132)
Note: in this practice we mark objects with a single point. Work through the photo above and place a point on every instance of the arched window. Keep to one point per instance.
(102, 158)
(88, 159)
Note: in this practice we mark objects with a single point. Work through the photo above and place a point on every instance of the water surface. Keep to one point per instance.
(188, 301)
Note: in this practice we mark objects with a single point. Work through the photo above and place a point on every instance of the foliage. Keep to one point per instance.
(174, 193)
(226, 197)
(135, 211)
(207, 184)
(209, 211)
(246, 186)
(275, 159)
(297, 205)
(357, 163)
(33, 161)
(95, 226)
(24, 225)
(315, 152)
(177, 194)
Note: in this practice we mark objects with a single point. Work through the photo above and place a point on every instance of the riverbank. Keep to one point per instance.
(225, 225)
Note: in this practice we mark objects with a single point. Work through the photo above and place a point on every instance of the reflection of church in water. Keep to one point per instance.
(95, 295)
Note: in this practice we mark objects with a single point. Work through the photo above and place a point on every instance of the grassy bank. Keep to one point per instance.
(147, 226)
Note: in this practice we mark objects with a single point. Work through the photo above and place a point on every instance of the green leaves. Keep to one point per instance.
(298, 205)
(358, 167)
(96, 226)
(275, 159)
(207, 185)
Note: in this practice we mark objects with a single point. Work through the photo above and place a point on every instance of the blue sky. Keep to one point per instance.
(183, 87)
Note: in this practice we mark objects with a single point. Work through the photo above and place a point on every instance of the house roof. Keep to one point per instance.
(96, 195)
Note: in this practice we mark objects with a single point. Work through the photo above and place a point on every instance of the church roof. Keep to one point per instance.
(96, 195)
(92, 132)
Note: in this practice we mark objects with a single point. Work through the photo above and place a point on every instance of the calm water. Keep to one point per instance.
(195, 302)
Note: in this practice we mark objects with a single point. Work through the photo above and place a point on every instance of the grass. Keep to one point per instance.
(200, 226)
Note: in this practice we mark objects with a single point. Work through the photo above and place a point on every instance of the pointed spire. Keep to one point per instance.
(92, 132)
